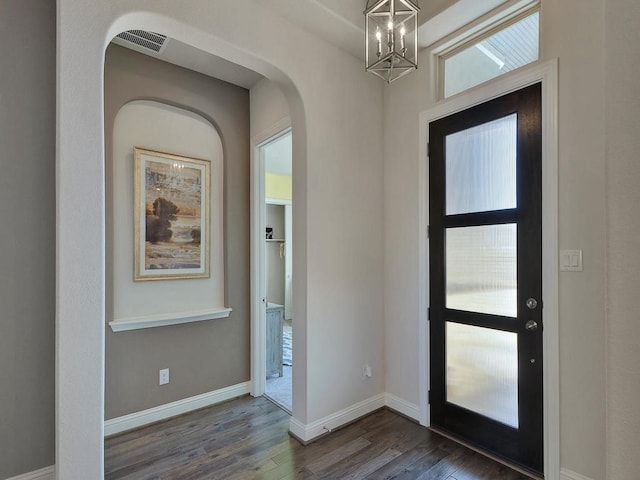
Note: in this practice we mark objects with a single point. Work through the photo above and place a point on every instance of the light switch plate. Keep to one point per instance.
(570, 260)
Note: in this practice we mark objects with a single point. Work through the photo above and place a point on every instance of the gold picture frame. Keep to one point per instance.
(172, 216)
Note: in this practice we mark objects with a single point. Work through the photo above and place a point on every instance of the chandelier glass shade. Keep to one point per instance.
(391, 38)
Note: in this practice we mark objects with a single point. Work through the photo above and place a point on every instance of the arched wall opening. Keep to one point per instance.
(211, 355)
(68, 448)
(208, 361)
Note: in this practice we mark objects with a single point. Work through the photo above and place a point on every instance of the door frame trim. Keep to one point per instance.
(546, 73)
(258, 200)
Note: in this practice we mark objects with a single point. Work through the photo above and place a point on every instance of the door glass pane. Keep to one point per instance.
(481, 266)
(481, 167)
(482, 371)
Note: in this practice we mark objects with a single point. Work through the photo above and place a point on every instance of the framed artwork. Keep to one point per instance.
(171, 195)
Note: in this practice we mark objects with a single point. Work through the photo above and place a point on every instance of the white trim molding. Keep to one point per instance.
(309, 432)
(47, 473)
(279, 128)
(163, 412)
(163, 319)
(401, 406)
(566, 474)
(277, 201)
(547, 73)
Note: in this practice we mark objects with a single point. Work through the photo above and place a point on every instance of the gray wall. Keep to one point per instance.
(201, 356)
(622, 121)
(27, 235)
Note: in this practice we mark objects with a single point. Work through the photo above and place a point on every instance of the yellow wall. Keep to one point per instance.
(278, 186)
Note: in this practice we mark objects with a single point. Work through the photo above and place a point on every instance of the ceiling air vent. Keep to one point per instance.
(142, 40)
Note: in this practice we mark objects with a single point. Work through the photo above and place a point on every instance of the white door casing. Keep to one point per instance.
(546, 73)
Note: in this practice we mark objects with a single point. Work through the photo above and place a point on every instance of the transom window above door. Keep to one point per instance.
(510, 44)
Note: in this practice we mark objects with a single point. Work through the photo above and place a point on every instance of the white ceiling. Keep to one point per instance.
(339, 22)
(184, 55)
(192, 58)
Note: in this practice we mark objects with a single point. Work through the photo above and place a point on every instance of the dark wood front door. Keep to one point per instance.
(485, 240)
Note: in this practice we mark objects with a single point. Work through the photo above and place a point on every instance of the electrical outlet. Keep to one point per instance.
(163, 376)
(367, 372)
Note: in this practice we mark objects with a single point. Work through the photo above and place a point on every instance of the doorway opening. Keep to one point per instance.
(276, 156)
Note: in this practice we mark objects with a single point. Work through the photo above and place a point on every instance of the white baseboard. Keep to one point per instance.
(400, 405)
(309, 432)
(47, 473)
(566, 474)
(162, 412)
(313, 430)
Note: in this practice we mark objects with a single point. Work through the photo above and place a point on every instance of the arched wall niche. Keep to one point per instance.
(131, 357)
(173, 129)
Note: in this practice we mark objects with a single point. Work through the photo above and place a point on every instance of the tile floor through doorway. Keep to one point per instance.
(279, 389)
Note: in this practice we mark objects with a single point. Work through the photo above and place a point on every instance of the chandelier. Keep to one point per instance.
(391, 38)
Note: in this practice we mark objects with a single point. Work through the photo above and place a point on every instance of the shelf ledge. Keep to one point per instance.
(164, 319)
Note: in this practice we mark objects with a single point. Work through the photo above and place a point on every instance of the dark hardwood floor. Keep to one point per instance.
(248, 438)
